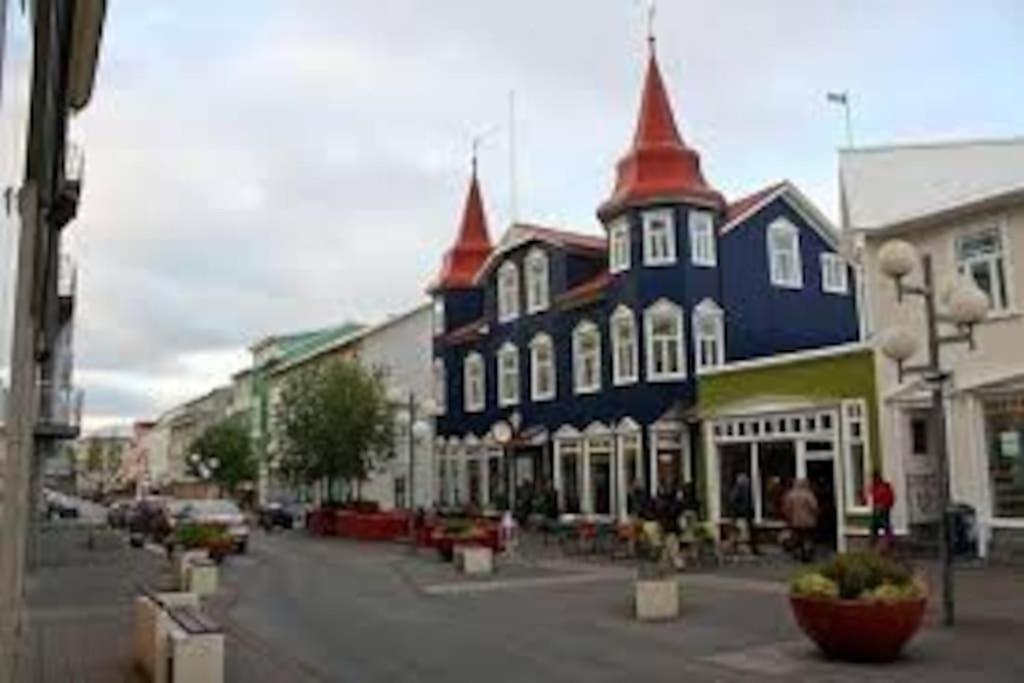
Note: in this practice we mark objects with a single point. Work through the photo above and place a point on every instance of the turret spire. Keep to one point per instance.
(473, 243)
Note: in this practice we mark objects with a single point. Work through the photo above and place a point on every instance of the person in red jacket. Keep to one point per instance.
(882, 500)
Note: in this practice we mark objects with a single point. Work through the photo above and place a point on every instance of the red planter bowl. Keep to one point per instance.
(859, 630)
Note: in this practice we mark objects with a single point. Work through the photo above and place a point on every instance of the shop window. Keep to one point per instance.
(1004, 428)
(858, 460)
(733, 459)
(495, 482)
(776, 462)
(569, 454)
(601, 478)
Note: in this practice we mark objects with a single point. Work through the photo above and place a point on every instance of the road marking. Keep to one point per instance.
(784, 658)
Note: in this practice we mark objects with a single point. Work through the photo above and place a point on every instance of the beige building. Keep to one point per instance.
(962, 203)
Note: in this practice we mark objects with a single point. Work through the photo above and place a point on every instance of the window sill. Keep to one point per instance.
(675, 377)
(537, 309)
(508, 319)
(836, 292)
(583, 391)
(474, 409)
(788, 285)
(625, 381)
(660, 263)
(705, 264)
(616, 271)
(1005, 314)
(508, 404)
(542, 399)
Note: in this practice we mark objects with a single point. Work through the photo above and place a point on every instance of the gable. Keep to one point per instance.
(785, 194)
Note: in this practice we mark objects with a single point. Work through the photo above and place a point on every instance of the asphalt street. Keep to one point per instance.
(303, 609)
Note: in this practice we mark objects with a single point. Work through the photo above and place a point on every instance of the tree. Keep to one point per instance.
(103, 462)
(227, 443)
(334, 423)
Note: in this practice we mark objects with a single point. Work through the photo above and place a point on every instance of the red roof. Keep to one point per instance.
(466, 333)
(587, 291)
(564, 238)
(741, 206)
(659, 165)
(471, 248)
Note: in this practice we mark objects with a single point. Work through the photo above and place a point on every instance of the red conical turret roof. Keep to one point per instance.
(659, 165)
(472, 246)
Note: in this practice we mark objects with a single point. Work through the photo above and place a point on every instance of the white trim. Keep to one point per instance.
(847, 443)
(794, 357)
(800, 203)
(834, 264)
(702, 222)
(620, 315)
(785, 228)
(542, 339)
(597, 428)
(619, 229)
(534, 257)
(585, 327)
(660, 307)
(567, 432)
(628, 425)
(708, 309)
(509, 281)
(506, 351)
(476, 360)
(648, 218)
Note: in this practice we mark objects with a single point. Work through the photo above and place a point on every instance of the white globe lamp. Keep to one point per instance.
(429, 407)
(897, 258)
(420, 430)
(402, 418)
(899, 343)
(502, 432)
(396, 395)
(968, 305)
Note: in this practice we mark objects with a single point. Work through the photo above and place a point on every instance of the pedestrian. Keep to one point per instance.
(882, 499)
(638, 502)
(509, 530)
(800, 509)
(669, 509)
(741, 504)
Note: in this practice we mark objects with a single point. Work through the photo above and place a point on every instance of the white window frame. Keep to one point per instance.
(856, 411)
(654, 311)
(508, 292)
(539, 342)
(834, 275)
(795, 279)
(474, 364)
(619, 247)
(652, 250)
(585, 328)
(703, 247)
(508, 377)
(440, 386)
(1005, 251)
(708, 310)
(538, 279)
(438, 315)
(620, 377)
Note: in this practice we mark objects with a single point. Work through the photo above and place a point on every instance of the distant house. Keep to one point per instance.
(697, 338)
(962, 203)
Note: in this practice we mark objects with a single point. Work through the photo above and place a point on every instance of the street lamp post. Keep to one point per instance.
(966, 305)
(417, 429)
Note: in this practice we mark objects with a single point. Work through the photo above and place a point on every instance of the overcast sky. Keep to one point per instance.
(260, 167)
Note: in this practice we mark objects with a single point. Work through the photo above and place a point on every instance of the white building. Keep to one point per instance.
(962, 203)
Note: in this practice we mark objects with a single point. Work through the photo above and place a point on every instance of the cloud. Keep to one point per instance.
(260, 167)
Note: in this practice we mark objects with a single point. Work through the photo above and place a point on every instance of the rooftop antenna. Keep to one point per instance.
(652, 9)
(513, 181)
(842, 99)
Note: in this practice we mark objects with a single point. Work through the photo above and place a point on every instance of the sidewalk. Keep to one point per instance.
(80, 605)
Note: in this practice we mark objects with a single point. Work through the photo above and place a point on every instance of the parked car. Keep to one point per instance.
(273, 515)
(217, 512)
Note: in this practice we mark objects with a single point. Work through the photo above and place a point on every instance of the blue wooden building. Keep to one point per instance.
(578, 359)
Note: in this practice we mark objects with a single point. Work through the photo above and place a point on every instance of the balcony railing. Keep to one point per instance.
(60, 410)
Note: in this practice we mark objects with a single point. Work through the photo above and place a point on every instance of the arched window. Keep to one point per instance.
(708, 335)
(663, 327)
(508, 375)
(508, 292)
(537, 281)
(784, 255)
(624, 347)
(586, 358)
(542, 368)
(440, 386)
(473, 379)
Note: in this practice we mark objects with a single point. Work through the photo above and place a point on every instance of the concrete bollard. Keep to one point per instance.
(656, 599)
(474, 560)
(201, 577)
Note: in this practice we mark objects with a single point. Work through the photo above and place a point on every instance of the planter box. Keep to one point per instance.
(201, 577)
(470, 559)
(656, 599)
(859, 630)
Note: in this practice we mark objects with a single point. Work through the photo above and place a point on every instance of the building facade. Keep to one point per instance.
(962, 203)
(594, 350)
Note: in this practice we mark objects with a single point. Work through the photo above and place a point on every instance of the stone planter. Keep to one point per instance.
(656, 598)
(859, 630)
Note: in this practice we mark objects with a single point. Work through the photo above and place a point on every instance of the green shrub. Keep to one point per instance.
(194, 535)
(813, 584)
(868, 575)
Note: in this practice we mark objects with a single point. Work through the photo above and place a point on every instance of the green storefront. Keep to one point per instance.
(807, 415)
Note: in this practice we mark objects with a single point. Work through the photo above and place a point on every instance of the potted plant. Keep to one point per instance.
(859, 607)
(215, 540)
(453, 532)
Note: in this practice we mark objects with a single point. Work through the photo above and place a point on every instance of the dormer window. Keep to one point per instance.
(659, 238)
(618, 247)
(833, 274)
(473, 381)
(784, 255)
(537, 281)
(508, 292)
(702, 239)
